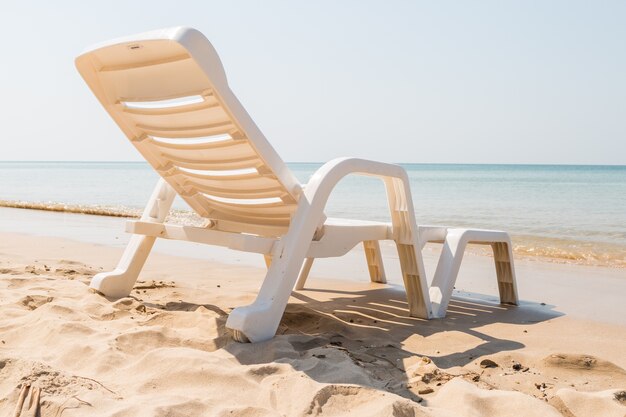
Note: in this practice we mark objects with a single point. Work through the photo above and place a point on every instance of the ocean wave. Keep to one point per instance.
(182, 217)
(525, 246)
(74, 208)
(570, 251)
(567, 251)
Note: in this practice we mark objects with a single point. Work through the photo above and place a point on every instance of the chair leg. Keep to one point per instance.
(450, 262)
(119, 282)
(505, 271)
(446, 273)
(304, 273)
(374, 261)
(419, 305)
(258, 321)
(406, 239)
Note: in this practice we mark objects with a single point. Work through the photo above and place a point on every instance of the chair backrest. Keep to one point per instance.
(167, 91)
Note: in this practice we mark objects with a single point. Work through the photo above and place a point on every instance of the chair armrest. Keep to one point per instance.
(334, 170)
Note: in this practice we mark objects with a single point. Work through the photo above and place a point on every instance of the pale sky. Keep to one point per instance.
(399, 81)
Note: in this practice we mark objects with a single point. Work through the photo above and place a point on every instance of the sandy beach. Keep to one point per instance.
(473, 152)
(345, 346)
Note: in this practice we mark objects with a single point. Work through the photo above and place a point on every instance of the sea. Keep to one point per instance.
(562, 213)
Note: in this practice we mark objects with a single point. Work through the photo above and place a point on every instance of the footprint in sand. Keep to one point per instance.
(33, 302)
(126, 303)
(35, 270)
(262, 372)
(152, 285)
(575, 362)
(360, 401)
(72, 269)
(11, 271)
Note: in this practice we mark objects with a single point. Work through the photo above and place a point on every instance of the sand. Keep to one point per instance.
(344, 347)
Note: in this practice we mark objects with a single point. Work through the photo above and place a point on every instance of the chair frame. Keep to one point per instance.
(289, 250)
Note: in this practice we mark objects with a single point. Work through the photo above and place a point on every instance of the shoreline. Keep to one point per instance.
(563, 285)
(547, 249)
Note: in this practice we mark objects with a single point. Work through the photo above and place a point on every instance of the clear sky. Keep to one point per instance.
(401, 81)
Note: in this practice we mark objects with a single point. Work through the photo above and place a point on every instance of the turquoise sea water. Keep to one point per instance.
(576, 213)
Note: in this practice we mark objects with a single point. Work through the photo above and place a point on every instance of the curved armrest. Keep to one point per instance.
(329, 174)
(396, 182)
(402, 214)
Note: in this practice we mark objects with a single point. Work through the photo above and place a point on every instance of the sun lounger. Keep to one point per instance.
(168, 93)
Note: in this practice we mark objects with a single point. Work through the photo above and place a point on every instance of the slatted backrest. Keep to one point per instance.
(167, 91)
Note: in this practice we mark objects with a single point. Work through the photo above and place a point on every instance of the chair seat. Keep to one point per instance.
(338, 238)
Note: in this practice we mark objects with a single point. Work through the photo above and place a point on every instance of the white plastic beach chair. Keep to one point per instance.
(167, 91)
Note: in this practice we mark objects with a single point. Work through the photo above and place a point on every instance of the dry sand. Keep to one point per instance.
(343, 348)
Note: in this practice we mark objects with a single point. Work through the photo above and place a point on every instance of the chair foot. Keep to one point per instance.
(240, 336)
(117, 283)
(254, 322)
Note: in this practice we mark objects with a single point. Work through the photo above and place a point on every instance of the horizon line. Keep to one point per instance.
(321, 163)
